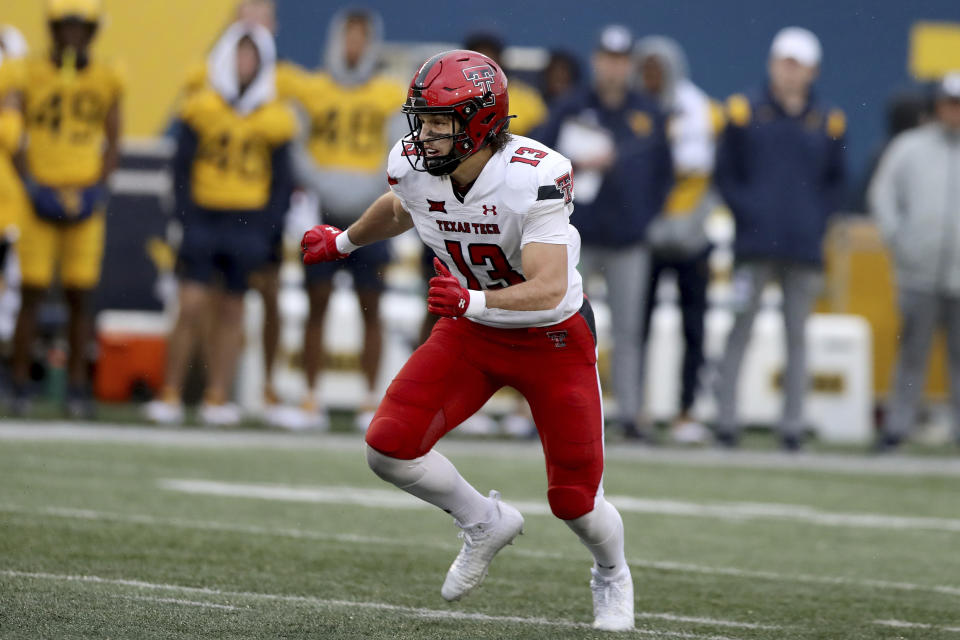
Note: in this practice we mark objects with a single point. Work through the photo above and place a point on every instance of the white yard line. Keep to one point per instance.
(736, 511)
(418, 612)
(349, 538)
(33, 431)
(902, 624)
(183, 603)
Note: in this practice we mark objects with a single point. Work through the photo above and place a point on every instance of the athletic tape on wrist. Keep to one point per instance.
(344, 245)
(477, 304)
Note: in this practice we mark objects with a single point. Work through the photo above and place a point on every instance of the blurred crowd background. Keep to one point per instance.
(768, 194)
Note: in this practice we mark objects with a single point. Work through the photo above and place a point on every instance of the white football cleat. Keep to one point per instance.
(612, 601)
(220, 415)
(163, 412)
(480, 543)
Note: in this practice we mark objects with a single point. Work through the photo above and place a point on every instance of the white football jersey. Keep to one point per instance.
(523, 194)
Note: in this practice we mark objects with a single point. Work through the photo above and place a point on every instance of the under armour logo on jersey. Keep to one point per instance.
(489, 208)
(462, 304)
(482, 77)
(559, 338)
(437, 205)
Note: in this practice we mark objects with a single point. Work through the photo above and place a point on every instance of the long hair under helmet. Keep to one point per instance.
(467, 85)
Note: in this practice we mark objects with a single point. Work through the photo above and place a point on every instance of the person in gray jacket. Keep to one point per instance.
(915, 197)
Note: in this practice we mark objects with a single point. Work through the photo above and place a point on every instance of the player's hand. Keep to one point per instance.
(319, 244)
(447, 297)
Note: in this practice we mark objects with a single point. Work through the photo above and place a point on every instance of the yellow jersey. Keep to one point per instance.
(233, 167)
(527, 105)
(65, 115)
(349, 125)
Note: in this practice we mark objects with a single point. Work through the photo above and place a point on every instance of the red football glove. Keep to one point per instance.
(447, 297)
(320, 245)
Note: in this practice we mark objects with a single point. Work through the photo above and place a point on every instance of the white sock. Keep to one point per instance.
(601, 532)
(434, 479)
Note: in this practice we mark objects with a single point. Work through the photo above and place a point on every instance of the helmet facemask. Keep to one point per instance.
(462, 144)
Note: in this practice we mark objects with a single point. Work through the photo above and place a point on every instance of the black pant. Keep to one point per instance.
(693, 275)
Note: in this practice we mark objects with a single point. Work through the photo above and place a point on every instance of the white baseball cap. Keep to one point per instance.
(615, 38)
(797, 44)
(949, 87)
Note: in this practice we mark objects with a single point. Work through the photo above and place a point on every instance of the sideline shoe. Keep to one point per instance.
(612, 601)
(163, 412)
(480, 543)
(307, 416)
(226, 414)
(687, 431)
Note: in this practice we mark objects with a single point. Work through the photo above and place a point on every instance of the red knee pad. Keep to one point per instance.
(569, 503)
(403, 431)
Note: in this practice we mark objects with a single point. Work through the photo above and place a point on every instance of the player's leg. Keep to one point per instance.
(626, 276)
(37, 251)
(563, 388)
(196, 302)
(918, 322)
(194, 299)
(243, 249)
(800, 285)
(749, 280)
(692, 280)
(950, 320)
(23, 337)
(367, 265)
(435, 391)
(266, 281)
(319, 283)
(81, 256)
(226, 347)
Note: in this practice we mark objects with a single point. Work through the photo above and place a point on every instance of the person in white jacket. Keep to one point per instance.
(677, 237)
(915, 197)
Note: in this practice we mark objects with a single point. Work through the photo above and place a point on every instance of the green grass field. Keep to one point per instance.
(124, 532)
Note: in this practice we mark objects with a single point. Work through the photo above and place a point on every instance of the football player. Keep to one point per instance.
(232, 185)
(495, 208)
(71, 108)
(290, 82)
(352, 111)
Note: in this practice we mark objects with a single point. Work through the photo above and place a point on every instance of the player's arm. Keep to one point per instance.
(385, 218)
(545, 266)
(111, 151)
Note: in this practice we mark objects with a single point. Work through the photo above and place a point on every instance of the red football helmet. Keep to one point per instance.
(466, 84)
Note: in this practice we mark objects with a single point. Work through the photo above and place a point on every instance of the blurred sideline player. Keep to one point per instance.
(530, 111)
(71, 107)
(232, 185)
(496, 208)
(13, 201)
(353, 117)
(290, 83)
(678, 237)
